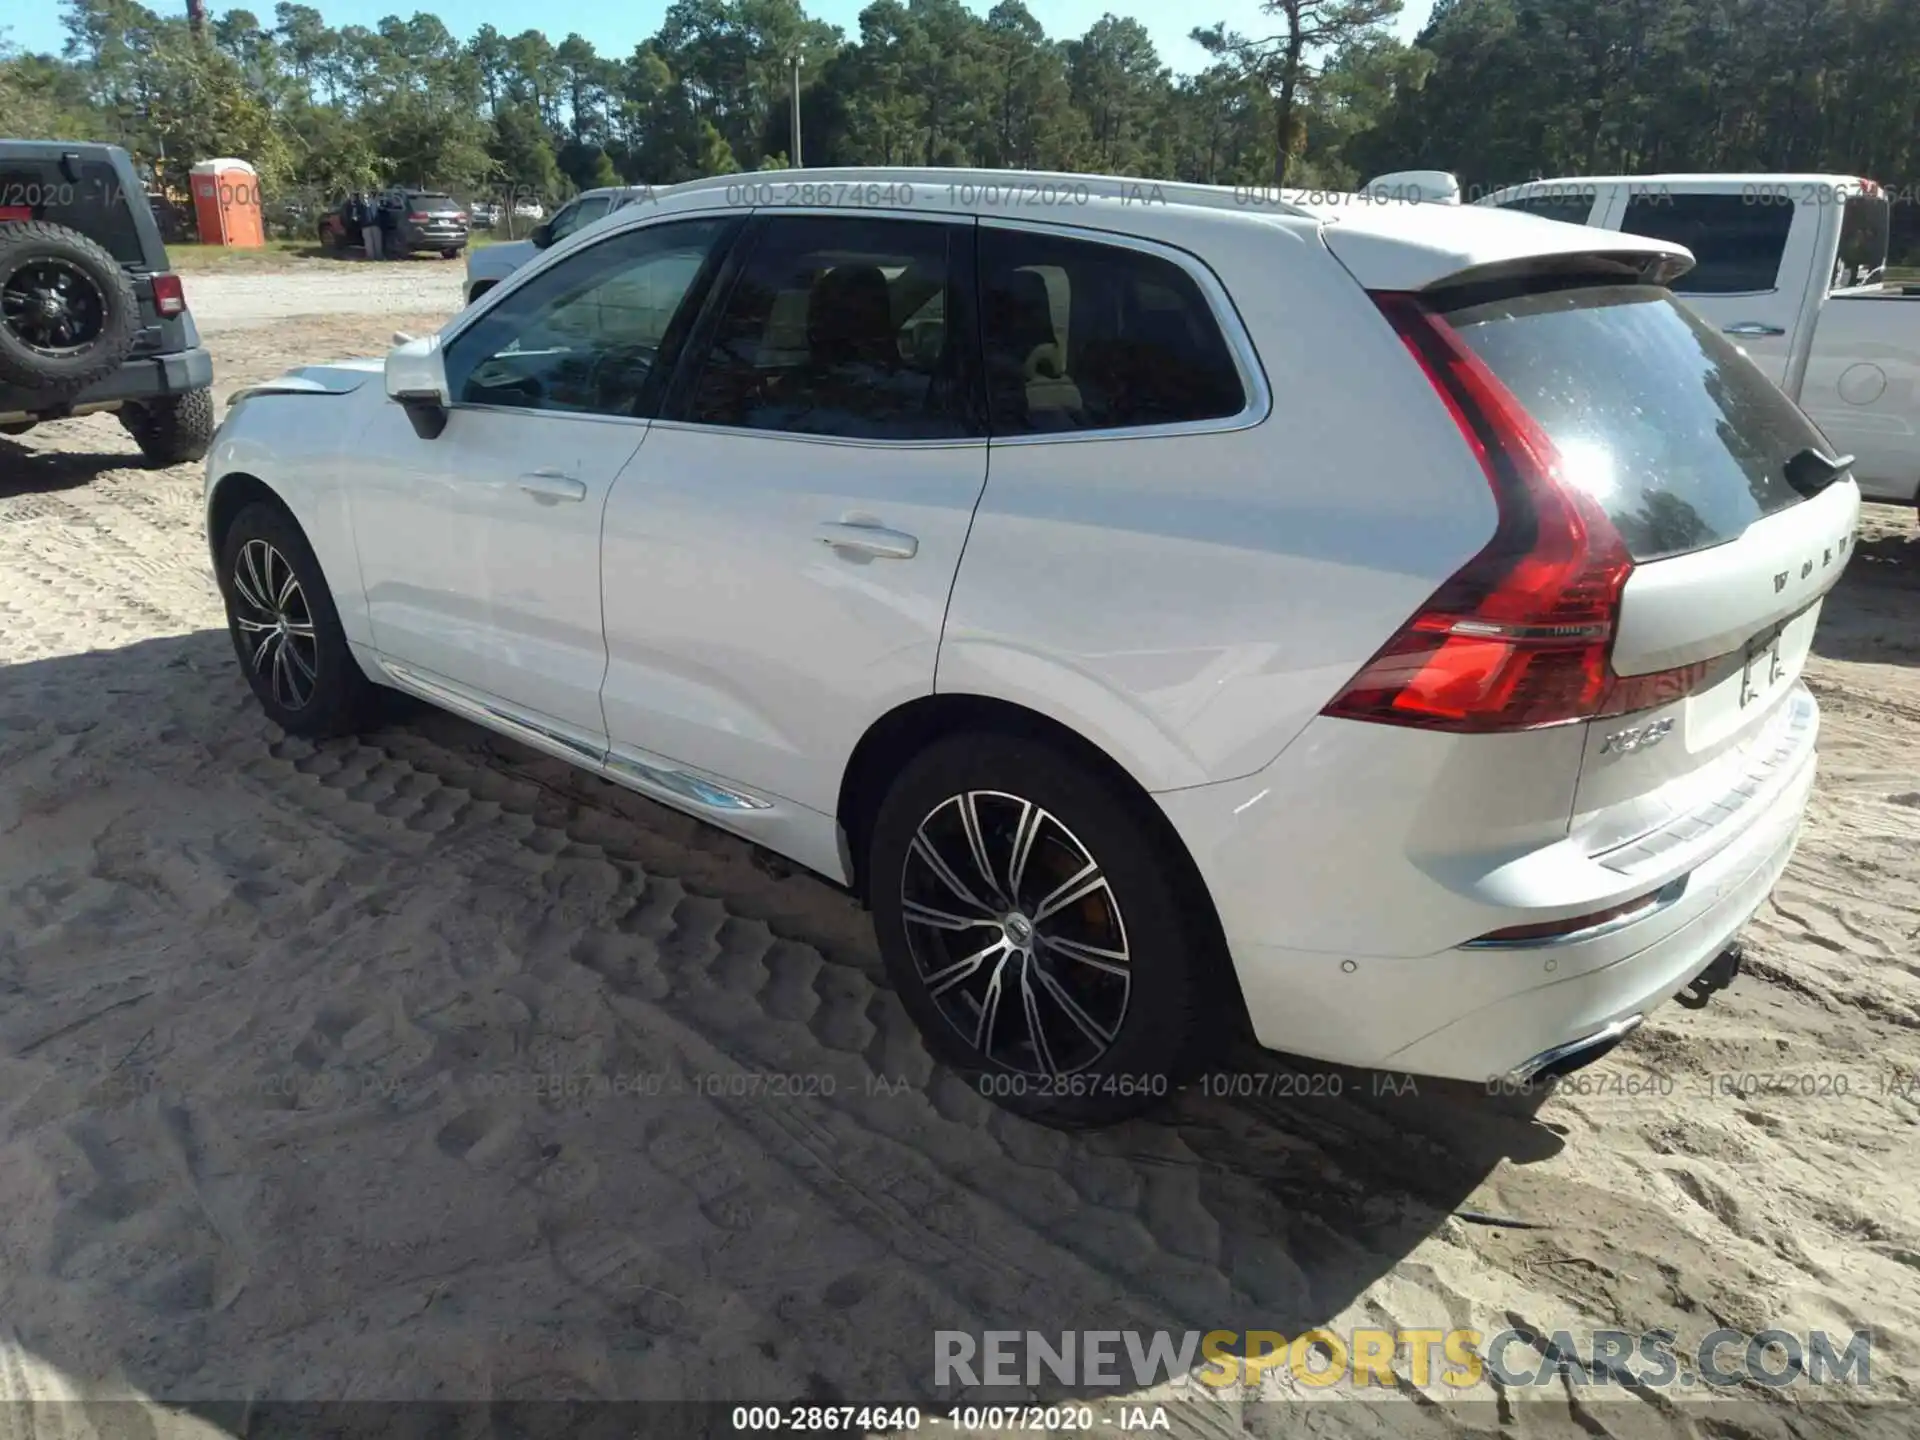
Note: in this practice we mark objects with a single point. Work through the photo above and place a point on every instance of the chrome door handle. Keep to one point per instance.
(1754, 328)
(874, 540)
(550, 485)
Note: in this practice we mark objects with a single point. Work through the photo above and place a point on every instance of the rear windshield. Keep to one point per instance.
(87, 197)
(1683, 442)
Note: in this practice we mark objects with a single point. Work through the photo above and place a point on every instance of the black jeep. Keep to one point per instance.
(91, 316)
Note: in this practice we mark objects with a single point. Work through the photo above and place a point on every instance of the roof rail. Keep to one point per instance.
(1271, 200)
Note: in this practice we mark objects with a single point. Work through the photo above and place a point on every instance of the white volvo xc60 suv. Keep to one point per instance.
(1386, 617)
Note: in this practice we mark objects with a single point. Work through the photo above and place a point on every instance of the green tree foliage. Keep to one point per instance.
(1525, 88)
(1320, 92)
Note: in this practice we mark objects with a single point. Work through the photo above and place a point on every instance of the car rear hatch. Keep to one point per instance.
(1711, 478)
(437, 217)
(1668, 524)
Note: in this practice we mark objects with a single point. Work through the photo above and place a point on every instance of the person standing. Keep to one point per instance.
(370, 237)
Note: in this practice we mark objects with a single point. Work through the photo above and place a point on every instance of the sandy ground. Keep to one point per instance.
(279, 1027)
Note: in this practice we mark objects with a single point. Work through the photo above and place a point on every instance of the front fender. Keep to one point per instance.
(293, 440)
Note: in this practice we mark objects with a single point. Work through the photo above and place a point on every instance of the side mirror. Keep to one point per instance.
(542, 235)
(417, 381)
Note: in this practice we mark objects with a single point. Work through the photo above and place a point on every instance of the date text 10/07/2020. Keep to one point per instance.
(865, 1419)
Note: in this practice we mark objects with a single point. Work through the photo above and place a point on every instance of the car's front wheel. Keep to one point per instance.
(1039, 929)
(171, 429)
(286, 630)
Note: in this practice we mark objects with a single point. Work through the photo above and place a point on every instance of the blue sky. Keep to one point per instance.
(616, 29)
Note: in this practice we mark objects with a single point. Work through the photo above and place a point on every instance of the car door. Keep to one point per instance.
(1752, 263)
(480, 547)
(777, 563)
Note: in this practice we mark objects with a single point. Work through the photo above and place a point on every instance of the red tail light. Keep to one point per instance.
(419, 216)
(169, 296)
(1518, 638)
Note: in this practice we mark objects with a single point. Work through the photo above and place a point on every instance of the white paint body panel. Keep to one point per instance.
(742, 645)
(1862, 388)
(1187, 601)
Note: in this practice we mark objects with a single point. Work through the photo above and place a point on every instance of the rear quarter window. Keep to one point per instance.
(1679, 437)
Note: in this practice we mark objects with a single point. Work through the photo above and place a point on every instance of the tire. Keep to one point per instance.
(1146, 947)
(68, 314)
(450, 254)
(264, 549)
(171, 429)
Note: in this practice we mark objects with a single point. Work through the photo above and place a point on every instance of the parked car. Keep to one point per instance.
(1388, 619)
(423, 220)
(1791, 267)
(530, 210)
(92, 317)
(489, 265)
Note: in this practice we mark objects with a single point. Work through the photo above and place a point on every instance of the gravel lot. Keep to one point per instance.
(284, 1029)
(249, 300)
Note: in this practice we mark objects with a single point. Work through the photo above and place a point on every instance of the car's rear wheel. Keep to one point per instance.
(452, 252)
(171, 429)
(286, 630)
(1039, 929)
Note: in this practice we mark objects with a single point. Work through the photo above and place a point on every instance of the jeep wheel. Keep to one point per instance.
(171, 429)
(68, 315)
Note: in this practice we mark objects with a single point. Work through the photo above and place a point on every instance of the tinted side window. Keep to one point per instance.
(1085, 336)
(581, 213)
(1568, 209)
(1736, 242)
(842, 327)
(593, 334)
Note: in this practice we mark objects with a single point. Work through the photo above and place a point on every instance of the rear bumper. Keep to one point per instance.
(431, 240)
(142, 379)
(1327, 900)
(1495, 1039)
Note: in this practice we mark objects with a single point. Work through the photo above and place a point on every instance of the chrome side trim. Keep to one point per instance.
(794, 437)
(1606, 1035)
(1667, 895)
(682, 785)
(569, 747)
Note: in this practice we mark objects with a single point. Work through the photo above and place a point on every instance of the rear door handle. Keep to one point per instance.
(1754, 328)
(874, 540)
(550, 486)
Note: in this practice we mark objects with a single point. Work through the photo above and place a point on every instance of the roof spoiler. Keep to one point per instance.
(1429, 187)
